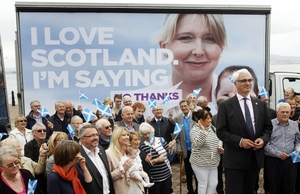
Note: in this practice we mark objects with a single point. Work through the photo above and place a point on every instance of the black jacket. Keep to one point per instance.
(58, 125)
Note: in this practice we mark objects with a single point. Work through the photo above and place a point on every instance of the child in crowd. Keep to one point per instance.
(136, 170)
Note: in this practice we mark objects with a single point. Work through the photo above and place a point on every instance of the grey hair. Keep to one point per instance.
(236, 74)
(201, 99)
(35, 126)
(75, 117)
(283, 104)
(6, 151)
(146, 128)
(85, 126)
(58, 102)
(31, 103)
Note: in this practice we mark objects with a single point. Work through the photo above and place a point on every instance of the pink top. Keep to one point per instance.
(22, 180)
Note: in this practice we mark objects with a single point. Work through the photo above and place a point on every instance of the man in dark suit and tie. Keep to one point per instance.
(127, 119)
(96, 160)
(245, 128)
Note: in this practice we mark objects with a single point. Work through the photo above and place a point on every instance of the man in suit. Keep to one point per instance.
(245, 127)
(183, 141)
(96, 160)
(127, 119)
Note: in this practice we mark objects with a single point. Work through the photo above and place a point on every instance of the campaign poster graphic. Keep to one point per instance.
(102, 54)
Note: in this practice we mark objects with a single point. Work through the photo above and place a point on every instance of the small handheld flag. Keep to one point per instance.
(151, 139)
(104, 110)
(295, 155)
(32, 184)
(96, 102)
(231, 79)
(71, 130)
(88, 115)
(263, 92)
(178, 128)
(196, 92)
(151, 103)
(43, 111)
(2, 134)
(167, 99)
(82, 95)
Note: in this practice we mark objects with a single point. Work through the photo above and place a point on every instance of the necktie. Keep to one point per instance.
(158, 127)
(248, 119)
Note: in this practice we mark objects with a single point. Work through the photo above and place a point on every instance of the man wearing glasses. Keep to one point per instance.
(96, 160)
(245, 127)
(105, 132)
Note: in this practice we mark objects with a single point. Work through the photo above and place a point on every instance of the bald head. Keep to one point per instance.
(127, 114)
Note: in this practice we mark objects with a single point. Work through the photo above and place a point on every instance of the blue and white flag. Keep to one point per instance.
(88, 115)
(196, 92)
(151, 103)
(71, 130)
(231, 79)
(178, 128)
(263, 93)
(2, 134)
(151, 139)
(167, 99)
(295, 156)
(104, 110)
(82, 95)
(96, 102)
(43, 111)
(32, 184)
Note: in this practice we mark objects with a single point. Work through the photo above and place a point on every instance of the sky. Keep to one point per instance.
(285, 27)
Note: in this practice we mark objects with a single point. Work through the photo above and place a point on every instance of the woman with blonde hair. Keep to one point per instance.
(54, 140)
(116, 150)
(25, 162)
(21, 133)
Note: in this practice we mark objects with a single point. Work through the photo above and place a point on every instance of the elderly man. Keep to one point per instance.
(105, 132)
(285, 138)
(288, 93)
(71, 111)
(35, 117)
(203, 103)
(245, 127)
(126, 102)
(60, 120)
(76, 122)
(127, 119)
(96, 160)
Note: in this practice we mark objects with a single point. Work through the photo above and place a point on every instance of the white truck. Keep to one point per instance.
(106, 49)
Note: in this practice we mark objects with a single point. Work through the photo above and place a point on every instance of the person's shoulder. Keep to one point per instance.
(26, 173)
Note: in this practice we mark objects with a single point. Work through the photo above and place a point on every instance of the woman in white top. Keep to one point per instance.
(206, 149)
(20, 133)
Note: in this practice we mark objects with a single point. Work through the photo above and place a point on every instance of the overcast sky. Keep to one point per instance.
(285, 25)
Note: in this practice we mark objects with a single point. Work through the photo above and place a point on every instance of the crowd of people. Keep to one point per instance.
(127, 153)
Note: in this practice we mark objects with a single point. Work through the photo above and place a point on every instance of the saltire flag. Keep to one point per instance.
(32, 184)
(104, 110)
(82, 95)
(96, 102)
(71, 130)
(88, 115)
(263, 92)
(295, 155)
(43, 111)
(196, 92)
(151, 103)
(231, 79)
(2, 134)
(167, 99)
(178, 128)
(151, 139)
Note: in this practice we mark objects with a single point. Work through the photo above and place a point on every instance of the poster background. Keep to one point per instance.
(245, 36)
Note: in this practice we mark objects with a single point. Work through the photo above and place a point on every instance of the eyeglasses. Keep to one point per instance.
(245, 80)
(41, 130)
(93, 135)
(21, 121)
(15, 163)
(107, 127)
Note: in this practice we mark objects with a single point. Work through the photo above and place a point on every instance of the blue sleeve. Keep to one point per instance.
(53, 183)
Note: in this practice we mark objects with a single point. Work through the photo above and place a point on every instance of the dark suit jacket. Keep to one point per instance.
(96, 175)
(135, 125)
(231, 127)
(166, 128)
(32, 150)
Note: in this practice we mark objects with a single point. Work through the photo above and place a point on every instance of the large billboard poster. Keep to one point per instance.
(144, 55)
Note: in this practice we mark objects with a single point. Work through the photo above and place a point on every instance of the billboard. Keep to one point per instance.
(143, 55)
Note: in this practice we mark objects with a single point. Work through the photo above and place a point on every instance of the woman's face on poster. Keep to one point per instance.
(194, 48)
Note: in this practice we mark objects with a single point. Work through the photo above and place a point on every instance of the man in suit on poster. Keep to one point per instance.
(245, 128)
(96, 160)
